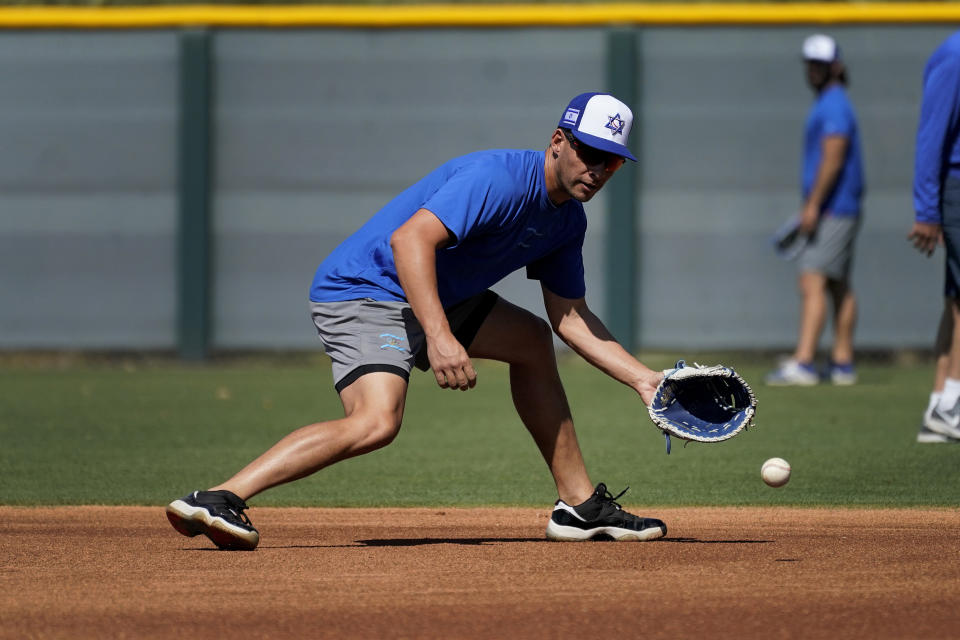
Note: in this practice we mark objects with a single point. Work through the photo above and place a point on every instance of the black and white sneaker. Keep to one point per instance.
(600, 515)
(926, 435)
(946, 423)
(219, 515)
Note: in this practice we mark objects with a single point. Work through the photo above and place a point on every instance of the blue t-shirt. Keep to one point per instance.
(938, 131)
(495, 205)
(832, 115)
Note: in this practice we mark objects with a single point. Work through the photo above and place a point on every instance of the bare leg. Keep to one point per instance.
(949, 375)
(844, 321)
(813, 313)
(953, 369)
(524, 341)
(942, 347)
(373, 409)
(940, 373)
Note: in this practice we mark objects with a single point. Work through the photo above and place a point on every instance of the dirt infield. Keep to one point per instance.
(119, 572)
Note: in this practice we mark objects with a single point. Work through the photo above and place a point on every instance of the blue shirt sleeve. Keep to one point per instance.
(937, 127)
(837, 117)
(472, 200)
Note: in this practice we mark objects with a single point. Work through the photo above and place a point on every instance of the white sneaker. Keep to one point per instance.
(843, 374)
(925, 436)
(946, 423)
(792, 373)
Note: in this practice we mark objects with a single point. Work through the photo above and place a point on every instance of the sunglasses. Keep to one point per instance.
(592, 157)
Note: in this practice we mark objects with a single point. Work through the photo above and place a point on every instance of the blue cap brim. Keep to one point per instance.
(604, 145)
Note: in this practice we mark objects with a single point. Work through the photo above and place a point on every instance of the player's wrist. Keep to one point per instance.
(437, 332)
(646, 383)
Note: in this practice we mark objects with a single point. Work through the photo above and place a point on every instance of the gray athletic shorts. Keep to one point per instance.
(830, 251)
(364, 336)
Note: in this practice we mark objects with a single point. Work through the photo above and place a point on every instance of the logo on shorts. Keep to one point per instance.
(392, 342)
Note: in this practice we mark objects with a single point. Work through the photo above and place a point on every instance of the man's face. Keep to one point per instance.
(583, 170)
(818, 73)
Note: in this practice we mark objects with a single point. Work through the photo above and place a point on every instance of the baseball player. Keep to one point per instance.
(830, 217)
(411, 289)
(936, 203)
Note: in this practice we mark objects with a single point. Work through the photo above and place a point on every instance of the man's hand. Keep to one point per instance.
(925, 237)
(450, 363)
(647, 386)
(809, 218)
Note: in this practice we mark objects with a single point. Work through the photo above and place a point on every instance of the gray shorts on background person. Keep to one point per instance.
(366, 336)
(830, 251)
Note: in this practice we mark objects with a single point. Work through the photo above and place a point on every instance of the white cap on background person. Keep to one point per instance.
(821, 48)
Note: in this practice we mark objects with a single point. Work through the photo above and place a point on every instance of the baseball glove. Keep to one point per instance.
(703, 404)
(788, 241)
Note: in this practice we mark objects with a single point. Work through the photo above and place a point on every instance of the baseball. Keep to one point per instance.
(775, 472)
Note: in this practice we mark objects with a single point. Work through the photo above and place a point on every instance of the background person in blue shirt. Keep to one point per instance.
(832, 184)
(411, 288)
(936, 203)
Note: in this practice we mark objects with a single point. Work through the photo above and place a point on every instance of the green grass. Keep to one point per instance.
(144, 432)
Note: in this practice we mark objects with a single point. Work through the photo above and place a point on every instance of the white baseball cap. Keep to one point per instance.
(821, 48)
(600, 121)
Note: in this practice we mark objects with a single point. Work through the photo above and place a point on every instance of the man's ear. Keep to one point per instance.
(556, 141)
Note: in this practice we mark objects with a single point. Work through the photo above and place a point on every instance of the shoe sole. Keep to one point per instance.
(925, 436)
(942, 428)
(933, 438)
(193, 521)
(560, 533)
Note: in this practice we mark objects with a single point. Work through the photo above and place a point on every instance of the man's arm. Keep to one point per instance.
(833, 152)
(579, 328)
(415, 246)
(937, 115)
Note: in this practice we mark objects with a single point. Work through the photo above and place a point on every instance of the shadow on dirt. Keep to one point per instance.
(699, 541)
(471, 542)
(416, 542)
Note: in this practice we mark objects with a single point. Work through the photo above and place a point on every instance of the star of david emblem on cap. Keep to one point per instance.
(615, 124)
